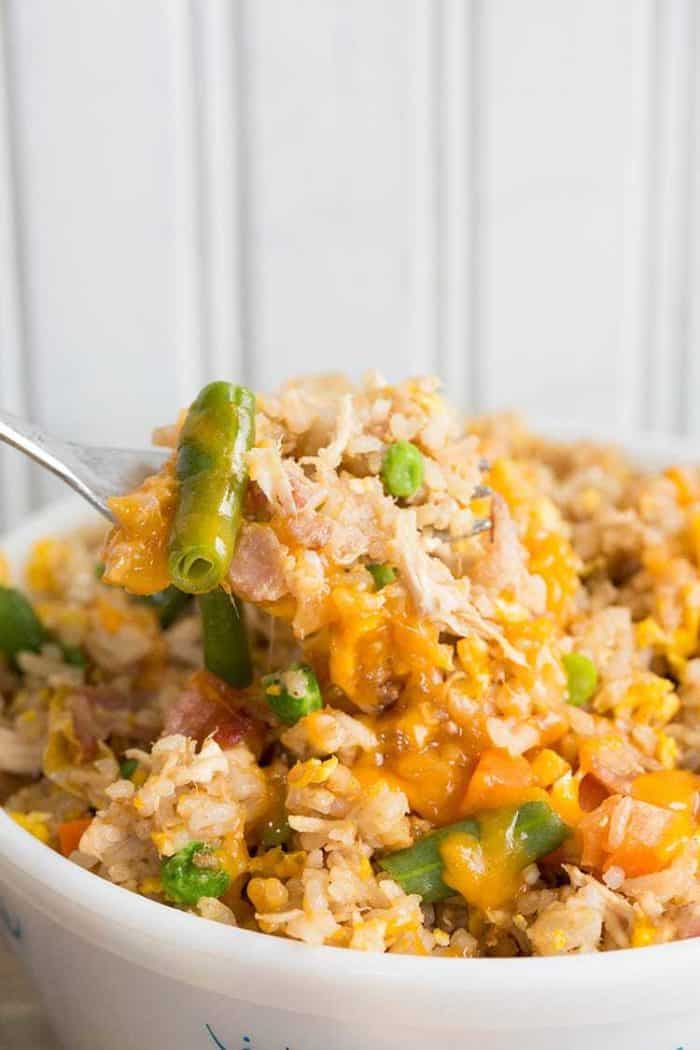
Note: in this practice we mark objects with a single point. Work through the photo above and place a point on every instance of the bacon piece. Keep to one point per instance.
(612, 761)
(257, 569)
(206, 706)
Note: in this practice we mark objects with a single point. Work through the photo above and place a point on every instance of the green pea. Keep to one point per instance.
(581, 678)
(99, 570)
(293, 693)
(127, 768)
(402, 470)
(185, 883)
(382, 574)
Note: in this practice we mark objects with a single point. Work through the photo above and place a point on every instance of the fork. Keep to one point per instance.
(94, 472)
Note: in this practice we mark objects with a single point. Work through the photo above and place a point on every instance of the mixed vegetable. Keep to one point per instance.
(212, 476)
(193, 873)
(494, 841)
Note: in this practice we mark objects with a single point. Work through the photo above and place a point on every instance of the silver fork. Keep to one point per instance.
(95, 473)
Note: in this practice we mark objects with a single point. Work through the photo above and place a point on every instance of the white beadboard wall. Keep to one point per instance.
(505, 191)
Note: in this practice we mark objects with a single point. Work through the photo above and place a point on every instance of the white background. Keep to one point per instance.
(505, 191)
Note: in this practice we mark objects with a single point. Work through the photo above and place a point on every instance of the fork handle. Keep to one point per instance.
(95, 473)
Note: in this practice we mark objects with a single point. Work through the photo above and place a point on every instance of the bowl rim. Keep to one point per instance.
(569, 979)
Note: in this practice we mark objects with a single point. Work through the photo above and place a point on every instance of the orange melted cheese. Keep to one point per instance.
(486, 871)
(136, 551)
(676, 789)
(543, 533)
(417, 752)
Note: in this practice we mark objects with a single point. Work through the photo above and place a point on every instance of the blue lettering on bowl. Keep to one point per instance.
(10, 922)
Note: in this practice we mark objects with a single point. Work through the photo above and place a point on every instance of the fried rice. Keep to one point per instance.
(445, 692)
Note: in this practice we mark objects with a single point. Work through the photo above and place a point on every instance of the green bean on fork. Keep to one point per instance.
(212, 475)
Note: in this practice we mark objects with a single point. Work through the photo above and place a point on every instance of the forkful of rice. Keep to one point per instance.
(208, 485)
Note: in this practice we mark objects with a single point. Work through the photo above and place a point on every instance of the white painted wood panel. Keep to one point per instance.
(330, 188)
(563, 98)
(91, 89)
(14, 471)
(671, 172)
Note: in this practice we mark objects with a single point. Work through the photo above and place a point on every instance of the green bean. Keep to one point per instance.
(20, 627)
(167, 604)
(418, 868)
(212, 475)
(293, 693)
(402, 469)
(226, 649)
(185, 883)
(382, 574)
(536, 831)
(581, 678)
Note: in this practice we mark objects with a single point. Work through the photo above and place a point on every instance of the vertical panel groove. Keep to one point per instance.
(190, 341)
(690, 350)
(426, 291)
(457, 214)
(638, 182)
(243, 203)
(221, 145)
(670, 158)
(475, 275)
(14, 470)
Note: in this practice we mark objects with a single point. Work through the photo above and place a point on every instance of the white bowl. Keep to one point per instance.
(119, 972)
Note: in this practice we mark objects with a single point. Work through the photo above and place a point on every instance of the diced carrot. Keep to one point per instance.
(70, 834)
(500, 779)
